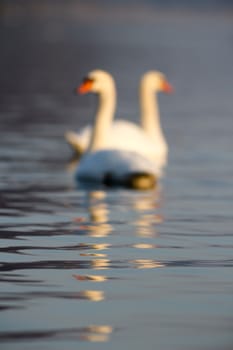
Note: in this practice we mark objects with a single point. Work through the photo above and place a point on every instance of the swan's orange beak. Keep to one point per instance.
(85, 87)
(167, 87)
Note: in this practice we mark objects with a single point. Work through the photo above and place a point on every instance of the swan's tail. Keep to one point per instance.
(136, 180)
(73, 140)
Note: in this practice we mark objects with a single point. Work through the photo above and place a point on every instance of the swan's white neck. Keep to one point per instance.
(104, 117)
(150, 116)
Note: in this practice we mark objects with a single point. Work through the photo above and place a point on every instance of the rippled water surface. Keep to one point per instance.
(115, 269)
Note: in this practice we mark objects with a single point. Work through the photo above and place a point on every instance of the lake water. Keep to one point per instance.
(115, 269)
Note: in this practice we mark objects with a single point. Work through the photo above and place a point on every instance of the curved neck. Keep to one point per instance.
(150, 116)
(104, 117)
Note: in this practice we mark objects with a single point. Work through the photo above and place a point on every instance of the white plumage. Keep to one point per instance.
(147, 139)
(115, 165)
(102, 163)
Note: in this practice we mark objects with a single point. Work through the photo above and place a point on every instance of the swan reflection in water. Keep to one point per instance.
(91, 295)
(140, 211)
(97, 225)
(147, 218)
(141, 208)
(97, 333)
(98, 212)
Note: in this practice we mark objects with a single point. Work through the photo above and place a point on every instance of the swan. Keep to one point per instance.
(148, 139)
(101, 164)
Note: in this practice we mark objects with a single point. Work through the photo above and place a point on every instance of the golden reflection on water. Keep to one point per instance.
(99, 255)
(97, 333)
(144, 246)
(143, 216)
(146, 264)
(144, 207)
(146, 221)
(147, 218)
(91, 295)
(101, 264)
(98, 216)
(93, 278)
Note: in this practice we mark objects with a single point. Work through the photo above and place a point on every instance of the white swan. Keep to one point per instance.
(111, 166)
(148, 139)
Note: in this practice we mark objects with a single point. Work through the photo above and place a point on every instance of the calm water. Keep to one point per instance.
(115, 269)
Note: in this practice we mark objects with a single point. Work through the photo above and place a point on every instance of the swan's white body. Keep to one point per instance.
(100, 163)
(118, 164)
(147, 139)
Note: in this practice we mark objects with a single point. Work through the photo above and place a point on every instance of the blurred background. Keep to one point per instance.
(48, 46)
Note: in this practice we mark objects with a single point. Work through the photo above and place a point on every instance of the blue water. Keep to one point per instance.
(115, 269)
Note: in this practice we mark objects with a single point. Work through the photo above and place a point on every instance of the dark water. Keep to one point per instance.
(115, 269)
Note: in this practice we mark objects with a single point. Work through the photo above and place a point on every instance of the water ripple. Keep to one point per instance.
(93, 333)
(111, 264)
